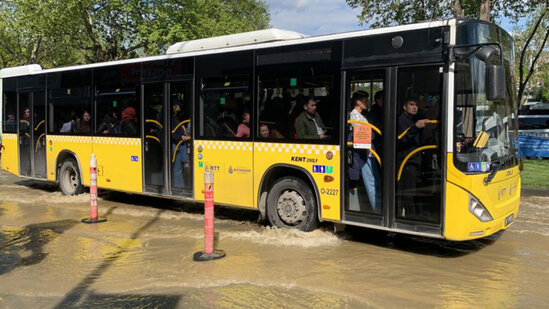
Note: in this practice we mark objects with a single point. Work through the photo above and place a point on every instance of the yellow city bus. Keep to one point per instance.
(411, 128)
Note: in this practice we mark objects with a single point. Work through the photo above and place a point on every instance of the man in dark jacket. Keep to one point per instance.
(308, 125)
(409, 138)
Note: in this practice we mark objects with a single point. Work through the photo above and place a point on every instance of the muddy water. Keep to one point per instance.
(142, 257)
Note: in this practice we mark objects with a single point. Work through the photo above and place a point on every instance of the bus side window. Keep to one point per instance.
(69, 98)
(224, 97)
(117, 97)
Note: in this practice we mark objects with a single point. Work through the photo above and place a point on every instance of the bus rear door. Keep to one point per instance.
(167, 135)
(32, 134)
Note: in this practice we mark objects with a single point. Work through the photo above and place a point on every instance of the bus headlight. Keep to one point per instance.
(477, 209)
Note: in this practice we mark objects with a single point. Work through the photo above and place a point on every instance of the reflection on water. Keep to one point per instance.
(24, 246)
(142, 257)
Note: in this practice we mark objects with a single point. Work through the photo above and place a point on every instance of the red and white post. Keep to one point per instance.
(94, 218)
(209, 252)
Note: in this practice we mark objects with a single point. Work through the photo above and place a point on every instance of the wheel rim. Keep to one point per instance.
(70, 178)
(291, 207)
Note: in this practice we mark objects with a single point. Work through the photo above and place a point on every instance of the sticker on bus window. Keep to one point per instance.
(293, 82)
(362, 136)
(478, 166)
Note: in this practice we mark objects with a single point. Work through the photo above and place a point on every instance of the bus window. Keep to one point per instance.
(117, 94)
(69, 100)
(225, 96)
(9, 106)
(298, 94)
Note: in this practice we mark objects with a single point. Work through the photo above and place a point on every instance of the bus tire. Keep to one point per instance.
(291, 204)
(69, 178)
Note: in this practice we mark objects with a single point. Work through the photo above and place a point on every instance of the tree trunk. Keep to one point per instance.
(35, 49)
(11, 51)
(458, 9)
(485, 9)
(523, 80)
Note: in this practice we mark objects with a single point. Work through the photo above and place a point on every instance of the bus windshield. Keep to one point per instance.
(486, 131)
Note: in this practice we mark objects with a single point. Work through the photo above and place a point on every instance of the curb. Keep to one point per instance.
(535, 191)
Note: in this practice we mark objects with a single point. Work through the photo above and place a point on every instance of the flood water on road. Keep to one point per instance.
(142, 257)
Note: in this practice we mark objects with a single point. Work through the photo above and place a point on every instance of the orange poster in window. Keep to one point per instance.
(362, 137)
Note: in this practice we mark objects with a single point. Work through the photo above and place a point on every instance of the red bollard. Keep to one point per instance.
(94, 218)
(209, 252)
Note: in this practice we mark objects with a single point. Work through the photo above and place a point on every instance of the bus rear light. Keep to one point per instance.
(329, 155)
(478, 210)
(326, 207)
(328, 178)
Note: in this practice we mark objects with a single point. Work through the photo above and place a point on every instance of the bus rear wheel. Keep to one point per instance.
(291, 204)
(69, 178)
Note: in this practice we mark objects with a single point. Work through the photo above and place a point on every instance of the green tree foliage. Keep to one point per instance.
(379, 13)
(65, 32)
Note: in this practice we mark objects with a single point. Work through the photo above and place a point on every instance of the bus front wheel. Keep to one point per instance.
(291, 204)
(69, 178)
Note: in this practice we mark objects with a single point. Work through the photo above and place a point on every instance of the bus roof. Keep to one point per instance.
(22, 70)
(237, 39)
(284, 39)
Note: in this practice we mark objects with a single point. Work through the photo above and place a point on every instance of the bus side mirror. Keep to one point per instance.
(495, 82)
(495, 74)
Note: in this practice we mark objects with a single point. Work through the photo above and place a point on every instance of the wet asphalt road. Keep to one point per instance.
(142, 258)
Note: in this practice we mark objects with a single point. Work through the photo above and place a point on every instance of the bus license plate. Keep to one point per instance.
(509, 219)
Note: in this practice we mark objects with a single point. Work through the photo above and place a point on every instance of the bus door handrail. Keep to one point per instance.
(155, 122)
(378, 131)
(401, 135)
(38, 141)
(410, 155)
(39, 124)
(180, 124)
(372, 151)
(367, 124)
(153, 137)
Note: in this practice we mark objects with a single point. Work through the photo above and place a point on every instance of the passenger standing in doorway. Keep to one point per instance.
(409, 138)
(363, 159)
(180, 134)
(308, 125)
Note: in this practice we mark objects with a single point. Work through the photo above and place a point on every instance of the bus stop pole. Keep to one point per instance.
(209, 252)
(94, 218)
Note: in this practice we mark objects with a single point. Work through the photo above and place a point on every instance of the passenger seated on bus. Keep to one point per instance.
(109, 125)
(308, 125)
(70, 126)
(227, 122)
(180, 134)
(243, 129)
(364, 162)
(10, 125)
(129, 122)
(266, 132)
(409, 138)
(84, 125)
